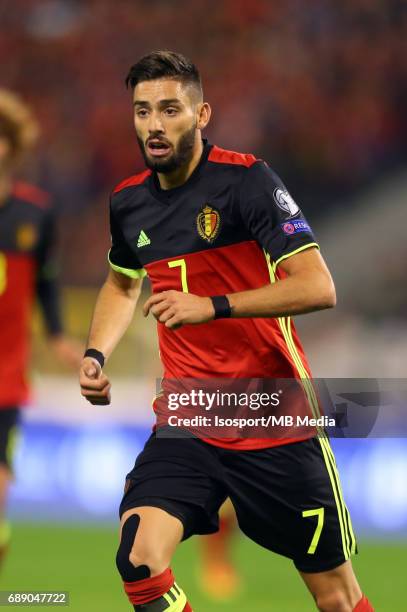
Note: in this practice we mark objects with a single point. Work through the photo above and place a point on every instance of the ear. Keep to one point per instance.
(204, 112)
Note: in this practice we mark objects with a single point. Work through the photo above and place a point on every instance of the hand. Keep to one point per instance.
(68, 351)
(176, 308)
(95, 386)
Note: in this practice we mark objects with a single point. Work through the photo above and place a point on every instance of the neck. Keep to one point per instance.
(5, 187)
(182, 174)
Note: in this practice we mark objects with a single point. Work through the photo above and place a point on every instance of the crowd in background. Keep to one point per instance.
(318, 89)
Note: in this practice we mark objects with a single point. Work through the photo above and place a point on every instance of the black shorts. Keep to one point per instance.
(9, 421)
(287, 498)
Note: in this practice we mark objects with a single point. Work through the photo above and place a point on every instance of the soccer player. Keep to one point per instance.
(219, 578)
(27, 270)
(211, 228)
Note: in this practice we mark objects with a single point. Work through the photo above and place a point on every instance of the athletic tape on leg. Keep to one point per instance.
(128, 572)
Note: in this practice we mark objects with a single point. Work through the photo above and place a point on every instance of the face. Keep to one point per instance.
(167, 118)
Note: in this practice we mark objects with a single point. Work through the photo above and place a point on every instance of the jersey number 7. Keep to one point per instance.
(319, 512)
(182, 264)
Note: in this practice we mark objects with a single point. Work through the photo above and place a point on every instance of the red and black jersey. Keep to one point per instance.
(26, 270)
(225, 230)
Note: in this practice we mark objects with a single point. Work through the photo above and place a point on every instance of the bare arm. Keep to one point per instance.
(113, 313)
(307, 287)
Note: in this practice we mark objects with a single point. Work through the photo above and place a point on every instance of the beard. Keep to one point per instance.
(179, 157)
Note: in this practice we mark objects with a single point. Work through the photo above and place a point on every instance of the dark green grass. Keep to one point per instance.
(81, 560)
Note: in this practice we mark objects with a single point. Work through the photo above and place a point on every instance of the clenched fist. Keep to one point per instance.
(95, 386)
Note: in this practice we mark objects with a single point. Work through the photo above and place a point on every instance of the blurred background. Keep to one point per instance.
(317, 89)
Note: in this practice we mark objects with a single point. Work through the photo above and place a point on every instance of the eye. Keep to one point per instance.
(171, 111)
(142, 112)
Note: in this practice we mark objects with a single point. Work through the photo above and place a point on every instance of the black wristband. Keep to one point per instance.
(95, 354)
(221, 306)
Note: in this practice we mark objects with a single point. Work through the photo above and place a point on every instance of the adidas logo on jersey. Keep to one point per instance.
(143, 240)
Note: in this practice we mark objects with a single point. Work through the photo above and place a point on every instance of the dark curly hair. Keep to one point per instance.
(164, 64)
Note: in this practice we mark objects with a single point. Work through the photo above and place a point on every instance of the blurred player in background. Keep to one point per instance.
(219, 578)
(230, 258)
(27, 271)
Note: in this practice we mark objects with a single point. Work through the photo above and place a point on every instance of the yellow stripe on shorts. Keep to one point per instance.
(345, 524)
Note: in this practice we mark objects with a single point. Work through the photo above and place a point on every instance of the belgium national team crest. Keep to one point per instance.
(208, 223)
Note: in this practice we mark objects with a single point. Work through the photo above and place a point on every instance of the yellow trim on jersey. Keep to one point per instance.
(302, 248)
(347, 535)
(140, 273)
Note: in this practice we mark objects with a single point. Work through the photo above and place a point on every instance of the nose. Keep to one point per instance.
(155, 124)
